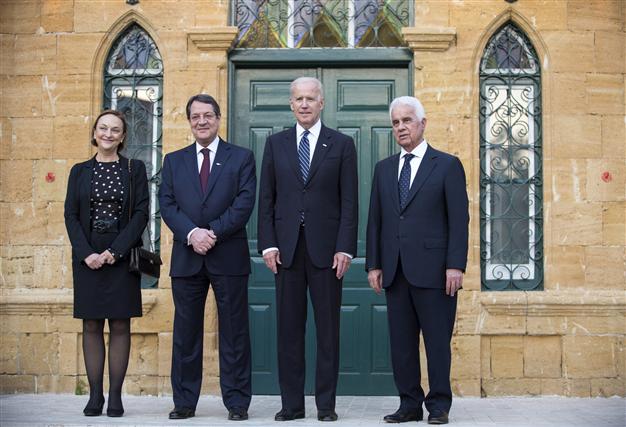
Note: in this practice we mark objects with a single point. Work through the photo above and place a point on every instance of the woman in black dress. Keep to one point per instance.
(103, 227)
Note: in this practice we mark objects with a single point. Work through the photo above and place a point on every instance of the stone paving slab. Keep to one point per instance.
(66, 410)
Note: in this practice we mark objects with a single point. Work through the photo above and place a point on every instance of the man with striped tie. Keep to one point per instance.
(417, 251)
(307, 234)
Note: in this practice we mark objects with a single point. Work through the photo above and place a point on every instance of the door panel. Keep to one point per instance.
(356, 103)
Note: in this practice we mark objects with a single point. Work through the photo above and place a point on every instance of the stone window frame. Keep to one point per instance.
(145, 85)
(510, 109)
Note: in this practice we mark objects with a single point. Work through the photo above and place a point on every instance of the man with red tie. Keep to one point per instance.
(206, 197)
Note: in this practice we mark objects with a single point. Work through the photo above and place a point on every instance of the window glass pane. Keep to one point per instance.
(321, 23)
(510, 150)
(135, 53)
(137, 92)
(508, 52)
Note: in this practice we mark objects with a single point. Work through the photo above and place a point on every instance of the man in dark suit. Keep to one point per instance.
(417, 250)
(207, 195)
(307, 235)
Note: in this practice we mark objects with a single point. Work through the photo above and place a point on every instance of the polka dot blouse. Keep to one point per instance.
(107, 191)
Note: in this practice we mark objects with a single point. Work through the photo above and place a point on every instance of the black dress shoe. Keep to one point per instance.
(327, 415)
(182, 413)
(113, 412)
(438, 417)
(93, 409)
(404, 415)
(238, 414)
(287, 415)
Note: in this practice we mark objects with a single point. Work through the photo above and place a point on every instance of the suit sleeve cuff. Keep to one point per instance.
(189, 235)
(268, 250)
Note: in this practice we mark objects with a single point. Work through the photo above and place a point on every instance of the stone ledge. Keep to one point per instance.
(28, 302)
(431, 39)
(540, 304)
(215, 38)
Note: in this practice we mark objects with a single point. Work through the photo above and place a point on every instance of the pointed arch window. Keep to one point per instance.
(321, 23)
(511, 184)
(133, 84)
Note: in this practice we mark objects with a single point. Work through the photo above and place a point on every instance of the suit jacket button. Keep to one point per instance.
(401, 216)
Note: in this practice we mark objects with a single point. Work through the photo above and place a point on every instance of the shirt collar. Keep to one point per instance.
(418, 151)
(314, 130)
(212, 146)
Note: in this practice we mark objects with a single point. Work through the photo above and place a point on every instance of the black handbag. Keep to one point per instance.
(141, 260)
(145, 262)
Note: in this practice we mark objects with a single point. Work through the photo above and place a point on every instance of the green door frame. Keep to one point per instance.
(288, 58)
(397, 58)
(279, 58)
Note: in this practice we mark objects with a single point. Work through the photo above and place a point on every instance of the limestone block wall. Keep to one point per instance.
(567, 339)
(50, 79)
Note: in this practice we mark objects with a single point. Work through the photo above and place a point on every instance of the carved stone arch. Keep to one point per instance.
(511, 15)
(104, 48)
(543, 56)
(509, 67)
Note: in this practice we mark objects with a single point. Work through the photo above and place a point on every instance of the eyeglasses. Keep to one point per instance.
(195, 118)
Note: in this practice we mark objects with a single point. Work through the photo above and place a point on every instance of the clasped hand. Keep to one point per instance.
(96, 261)
(202, 240)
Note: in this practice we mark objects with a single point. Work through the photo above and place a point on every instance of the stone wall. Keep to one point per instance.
(566, 340)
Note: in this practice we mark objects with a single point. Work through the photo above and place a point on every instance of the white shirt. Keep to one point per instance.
(314, 134)
(212, 151)
(419, 153)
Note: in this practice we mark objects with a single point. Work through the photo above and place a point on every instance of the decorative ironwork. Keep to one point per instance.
(321, 23)
(511, 184)
(133, 84)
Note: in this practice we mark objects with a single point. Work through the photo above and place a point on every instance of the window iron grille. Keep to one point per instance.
(511, 183)
(321, 23)
(133, 84)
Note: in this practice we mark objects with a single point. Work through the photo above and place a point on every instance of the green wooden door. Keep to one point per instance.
(356, 103)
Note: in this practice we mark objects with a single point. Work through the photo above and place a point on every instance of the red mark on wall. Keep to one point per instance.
(50, 177)
(606, 176)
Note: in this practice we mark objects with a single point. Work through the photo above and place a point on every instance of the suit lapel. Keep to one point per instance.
(427, 165)
(290, 147)
(191, 163)
(85, 192)
(321, 150)
(392, 177)
(125, 182)
(219, 163)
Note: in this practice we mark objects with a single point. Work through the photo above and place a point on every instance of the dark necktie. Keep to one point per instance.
(404, 183)
(303, 159)
(205, 169)
(304, 153)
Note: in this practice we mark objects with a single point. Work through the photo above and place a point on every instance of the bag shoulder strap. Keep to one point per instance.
(130, 193)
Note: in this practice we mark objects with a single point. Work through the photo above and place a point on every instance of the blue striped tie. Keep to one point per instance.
(404, 183)
(304, 155)
(303, 158)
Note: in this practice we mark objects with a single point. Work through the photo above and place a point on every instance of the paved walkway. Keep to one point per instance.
(66, 410)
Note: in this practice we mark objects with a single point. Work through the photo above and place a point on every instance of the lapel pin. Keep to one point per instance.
(324, 145)
(218, 164)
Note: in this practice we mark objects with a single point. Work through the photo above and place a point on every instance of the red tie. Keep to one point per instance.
(205, 169)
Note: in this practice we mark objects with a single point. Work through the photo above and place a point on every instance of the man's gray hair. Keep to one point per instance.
(302, 80)
(409, 101)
